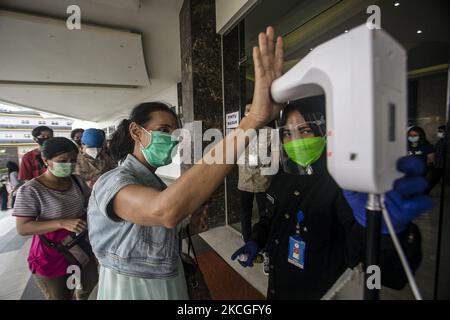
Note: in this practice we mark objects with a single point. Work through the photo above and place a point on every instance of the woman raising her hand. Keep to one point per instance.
(134, 216)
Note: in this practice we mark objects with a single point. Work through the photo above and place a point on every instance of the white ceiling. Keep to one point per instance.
(158, 23)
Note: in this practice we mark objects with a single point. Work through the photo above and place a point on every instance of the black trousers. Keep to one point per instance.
(434, 177)
(4, 199)
(246, 200)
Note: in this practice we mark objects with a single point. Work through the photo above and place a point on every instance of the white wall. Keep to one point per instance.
(35, 121)
(55, 54)
(25, 134)
(84, 124)
(157, 21)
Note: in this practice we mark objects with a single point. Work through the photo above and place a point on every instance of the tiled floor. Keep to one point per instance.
(225, 241)
(14, 274)
(16, 282)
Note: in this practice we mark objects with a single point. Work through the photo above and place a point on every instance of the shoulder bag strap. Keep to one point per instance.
(191, 245)
(74, 178)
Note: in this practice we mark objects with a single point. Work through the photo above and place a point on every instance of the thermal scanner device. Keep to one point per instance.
(362, 74)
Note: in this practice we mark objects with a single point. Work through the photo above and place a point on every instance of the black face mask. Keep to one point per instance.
(41, 141)
(78, 142)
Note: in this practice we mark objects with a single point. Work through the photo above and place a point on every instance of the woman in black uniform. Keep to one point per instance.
(312, 229)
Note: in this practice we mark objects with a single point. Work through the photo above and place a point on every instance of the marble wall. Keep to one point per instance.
(201, 86)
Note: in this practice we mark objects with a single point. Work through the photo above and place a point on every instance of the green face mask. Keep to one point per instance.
(159, 151)
(62, 169)
(305, 151)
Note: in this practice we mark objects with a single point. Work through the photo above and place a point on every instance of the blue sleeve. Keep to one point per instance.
(106, 189)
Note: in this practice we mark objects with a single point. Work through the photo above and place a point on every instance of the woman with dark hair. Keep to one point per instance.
(418, 145)
(52, 208)
(14, 182)
(312, 229)
(134, 218)
(76, 135)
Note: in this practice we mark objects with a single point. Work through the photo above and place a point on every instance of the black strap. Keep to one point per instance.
(77, 183)
(59, 247)
(191, 246)
(48, 242)
(74, 178)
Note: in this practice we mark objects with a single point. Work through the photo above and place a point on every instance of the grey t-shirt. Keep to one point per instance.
(43, 203)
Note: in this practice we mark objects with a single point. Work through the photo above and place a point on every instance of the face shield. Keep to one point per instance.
(302, 142)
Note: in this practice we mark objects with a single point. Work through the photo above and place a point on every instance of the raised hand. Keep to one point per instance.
(268, 59)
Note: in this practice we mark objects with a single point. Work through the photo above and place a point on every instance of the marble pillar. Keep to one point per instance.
(201, 86)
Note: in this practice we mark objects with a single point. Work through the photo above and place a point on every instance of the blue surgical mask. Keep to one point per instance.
(413, 139)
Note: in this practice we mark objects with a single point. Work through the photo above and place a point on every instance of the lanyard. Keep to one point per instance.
(300, 218)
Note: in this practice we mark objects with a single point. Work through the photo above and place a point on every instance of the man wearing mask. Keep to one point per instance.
(76, 136)
(93, 160)
(32, 165)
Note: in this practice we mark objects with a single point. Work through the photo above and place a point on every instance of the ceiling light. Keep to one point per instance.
(396, 4)
(419, 31)
(346, 31)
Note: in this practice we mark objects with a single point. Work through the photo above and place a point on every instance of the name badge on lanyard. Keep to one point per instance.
(297, 246)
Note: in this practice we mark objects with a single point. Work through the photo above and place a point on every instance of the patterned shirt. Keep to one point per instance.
(91, 169)
(249, 165)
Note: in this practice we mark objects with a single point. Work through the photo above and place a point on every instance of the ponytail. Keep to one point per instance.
(122, 143)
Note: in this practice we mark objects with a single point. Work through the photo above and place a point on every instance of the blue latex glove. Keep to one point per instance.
(404, 202)
(251, 250)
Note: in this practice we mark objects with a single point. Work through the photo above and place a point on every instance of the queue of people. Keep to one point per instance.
(126, 221)
(55, 184)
